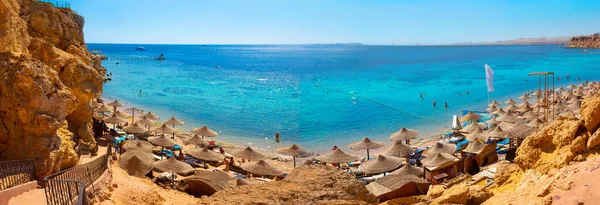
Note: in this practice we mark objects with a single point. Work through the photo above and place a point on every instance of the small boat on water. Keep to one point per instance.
(140, 49)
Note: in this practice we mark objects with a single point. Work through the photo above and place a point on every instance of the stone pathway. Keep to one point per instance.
(35, 196)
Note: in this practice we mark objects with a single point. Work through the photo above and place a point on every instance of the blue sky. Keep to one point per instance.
(332, 21)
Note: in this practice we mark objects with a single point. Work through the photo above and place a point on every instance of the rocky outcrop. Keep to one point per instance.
(310, 184)
(590, 113)
(591, 41)
(552, 147)
(47, 81)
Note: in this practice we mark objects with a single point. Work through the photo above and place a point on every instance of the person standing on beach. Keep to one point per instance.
(277, 137)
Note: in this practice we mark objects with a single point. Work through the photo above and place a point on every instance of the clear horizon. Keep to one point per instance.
(330, 22)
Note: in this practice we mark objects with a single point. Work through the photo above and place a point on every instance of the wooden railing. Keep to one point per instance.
(68, 186)
(57, 4)
(15, 173)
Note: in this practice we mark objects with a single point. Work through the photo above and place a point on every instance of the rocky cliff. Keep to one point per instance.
(47, 82)
(591, 41)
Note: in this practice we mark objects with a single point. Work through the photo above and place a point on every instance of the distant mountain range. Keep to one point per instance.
(524, 41)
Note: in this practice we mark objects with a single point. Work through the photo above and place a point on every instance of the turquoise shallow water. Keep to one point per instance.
(362, 90)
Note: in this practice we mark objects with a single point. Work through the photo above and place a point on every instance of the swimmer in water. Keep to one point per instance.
(468, 92)
(317, 85)
(433, 103)
(459, 94)
(445, 104)
(140, 92)
(421, 95)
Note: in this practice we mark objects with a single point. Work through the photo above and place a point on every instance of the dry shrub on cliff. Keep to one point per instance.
(312, 184)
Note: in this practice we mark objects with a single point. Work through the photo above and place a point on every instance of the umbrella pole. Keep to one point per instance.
(368, 158)
(294, 161)
(161, 152)
(132, 116)
(173, 131)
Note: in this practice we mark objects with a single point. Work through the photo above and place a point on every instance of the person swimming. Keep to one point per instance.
(468, 92)
(445, 104)
(433, 103)
(421, 95)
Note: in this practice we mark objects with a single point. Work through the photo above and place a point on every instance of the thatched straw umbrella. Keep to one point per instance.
(136, 163)
(133, 110)
(150, 116)
(491, 109)
(440, 147)
(500, 111)
(510, 118)
(196, 140)
(162, 142)
(474, 147)
(294, 151)
(439, 159)
(98, 116)
(365, 143)
(262, 168)
(115, 104)
(337, 156)
(204, 132)
(470, 116)
(173, 121)
(477, 134)
(521, 131)
(208, 182)
(492, 122)
(530, 115)
(535, 123)
(381, 164)
(398, 149)
(174, 166)
(560, 89)
(205, 154)
(145, 121)
(404, 134)
(134, 129)
(494, 104)
(114, 119)
(249, 154)
(510, 102)
(103, 108)
(409, 169)
(524, 97)
(496, 132)
(138, 145)
(471, 127)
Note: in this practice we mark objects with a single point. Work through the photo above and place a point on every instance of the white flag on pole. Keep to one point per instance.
(489, 77)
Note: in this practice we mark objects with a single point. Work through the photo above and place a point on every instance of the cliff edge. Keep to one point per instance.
(47, 81)
(591, 41)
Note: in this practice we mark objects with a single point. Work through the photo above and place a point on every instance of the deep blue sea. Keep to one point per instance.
(362, 90)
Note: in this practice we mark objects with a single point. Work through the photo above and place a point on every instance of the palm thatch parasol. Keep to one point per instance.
(133, 110)
(115, 104)
(205, 154)
(365, 143)
(521, 131)
(174, 165)
(510, 118)
(398, 149)
(196, 140)
(491, 109)
(530, 115)
(135, 129)
(470, 116)
(208, 182)
(477, 134)
(474, 147)
(440, 147)
(524, 97)
(114, 119)
(103, 108)
(173, 121)
(138, 145)
(294, 151)
(150, 116)
(262, 168)
(409, 169)
(337, 156)
(510, 102)
(404, 134)
(494, 104)
(249, 154)
(381, 164)
(204, 132)
(496, 132)
(500, 111)
(471, 127)
(439, 160)
(136, 163)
